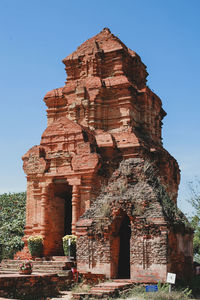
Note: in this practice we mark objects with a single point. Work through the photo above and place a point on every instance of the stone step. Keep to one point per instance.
(43, 259)
(101, 290)
(96, 287)
(61, 258)
(119, 281)
(9, 267)
(106, 289)
(59, 272)
(39, 263)
(38, 270)
(102, 293)
(9, 261)
(8, 271)
(55, 263)
(59, 266)
(16, 267)
(79, 296)
(64, 273)
(111, 286)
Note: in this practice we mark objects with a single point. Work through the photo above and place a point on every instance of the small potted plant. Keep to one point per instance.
(69, 245)
(35, 245)
(26, 267)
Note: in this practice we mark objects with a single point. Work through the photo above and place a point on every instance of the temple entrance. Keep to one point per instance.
(124, 249)
(59, 215)
(68, 214)
(63, 197)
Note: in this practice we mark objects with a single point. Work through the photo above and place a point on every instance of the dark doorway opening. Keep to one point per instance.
(68, 214)
(63, 194)
(124, 249)
(59, 215)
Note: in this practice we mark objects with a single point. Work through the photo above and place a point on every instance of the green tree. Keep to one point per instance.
(195, 220)
(12, 222)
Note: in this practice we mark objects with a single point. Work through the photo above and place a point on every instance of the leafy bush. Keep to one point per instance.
(12, 222)
(35, 245)
(72, 246)
(194, 200)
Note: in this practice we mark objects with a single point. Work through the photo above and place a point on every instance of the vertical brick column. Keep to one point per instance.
(29, 208)
(87, 193)
(44, 200)
(75, 205)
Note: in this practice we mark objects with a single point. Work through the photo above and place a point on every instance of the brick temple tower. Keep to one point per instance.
(101, 171)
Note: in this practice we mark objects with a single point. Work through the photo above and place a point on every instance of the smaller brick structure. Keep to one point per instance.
(134, 230)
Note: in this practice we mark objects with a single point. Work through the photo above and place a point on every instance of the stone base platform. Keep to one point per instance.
(34, 286)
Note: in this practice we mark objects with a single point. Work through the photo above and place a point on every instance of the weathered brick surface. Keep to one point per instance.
(104, 130)
(160, 240)
(23, 286)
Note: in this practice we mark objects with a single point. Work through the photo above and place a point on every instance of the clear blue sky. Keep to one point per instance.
(35, 35)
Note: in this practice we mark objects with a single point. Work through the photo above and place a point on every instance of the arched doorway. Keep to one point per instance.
(124, 249)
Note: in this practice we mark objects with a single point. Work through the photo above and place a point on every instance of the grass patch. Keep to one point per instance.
(80, 288)
(138, 293)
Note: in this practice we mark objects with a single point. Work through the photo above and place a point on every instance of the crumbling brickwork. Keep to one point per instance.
(160, 239)
(101, 172)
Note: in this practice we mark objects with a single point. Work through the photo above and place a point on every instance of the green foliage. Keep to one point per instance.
(12, 222)
(72, 246)
(195, 220)
(35, 245)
